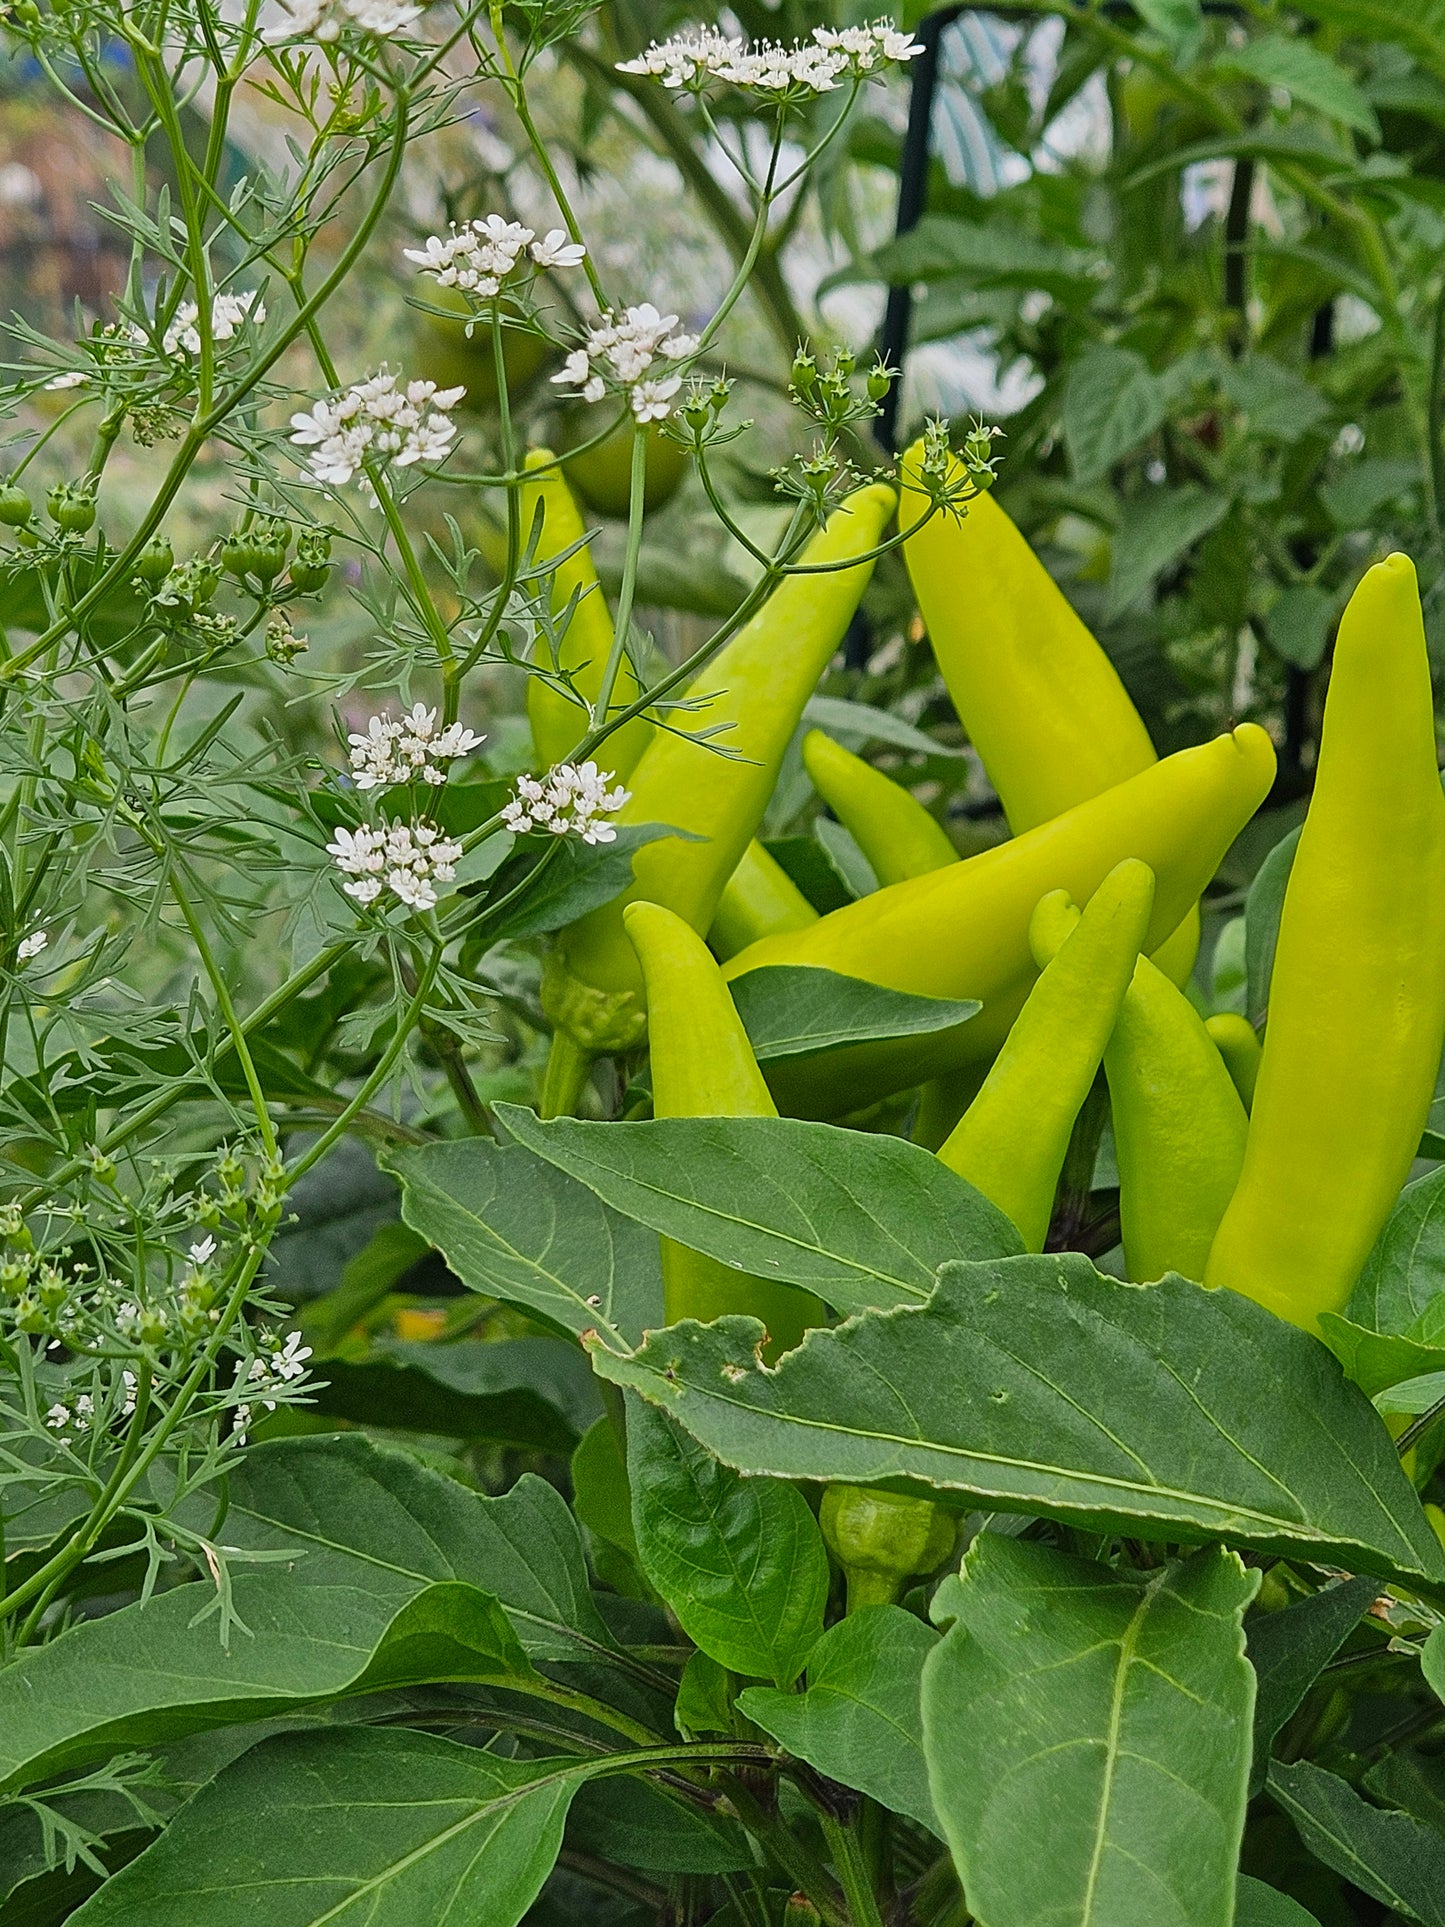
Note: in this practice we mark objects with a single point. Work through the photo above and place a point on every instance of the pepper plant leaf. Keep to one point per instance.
(1396, 1858)
(1116, 1797)
(1400, 1289)
(741, 1562)
(1035, 1384)
(862, 1220)
(1290, 1649)
(365, 1825)
(859, 1721)
(513, 1227)
(793, 1010)
(1257, 1905)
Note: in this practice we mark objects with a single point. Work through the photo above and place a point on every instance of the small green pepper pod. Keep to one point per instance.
(884, 1539)
(703, 1066)
(1010, 1142)
(1237, 1042)
(760, 899)
(890, 826)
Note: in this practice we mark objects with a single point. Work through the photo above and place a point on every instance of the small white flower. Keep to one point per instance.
(72, 378)
(203, 1251)
(376, 420)
(619, 356)
(652, 400)
(31, 946)
(326, 20)
(407, 859)
(408, 751)
(229, 313)
(700, 56)
(480, 256)
(572, 800)
(556, 250)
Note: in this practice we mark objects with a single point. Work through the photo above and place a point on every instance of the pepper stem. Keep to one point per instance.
(870, 1588)
(568, 1067)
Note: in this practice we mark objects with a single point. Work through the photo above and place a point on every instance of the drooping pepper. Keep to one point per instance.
(963, 931)
(1237, 1042)
(884, 1539)
(759, 899)
(1357, 992)
(1179, 1125)
(584, 646)
(758, 684)
(1042, 703)
(703, 1066)
(890, 826)
(1010, 1142)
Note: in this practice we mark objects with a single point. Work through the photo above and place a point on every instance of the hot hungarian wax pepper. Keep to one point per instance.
(755, 688)
(1237, 1042)
(703, 1066)
(1179, 1124)
(1357, 994)
(1010, 1142)
(962, 931)
(890, 826)
(760, 896)
(1042, 703)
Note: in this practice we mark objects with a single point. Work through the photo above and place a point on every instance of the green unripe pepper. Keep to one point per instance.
(890, 826)
(1237, 1042)
(1010, 1142)
(1357, 991)
(703, 1066)
(884, 1539)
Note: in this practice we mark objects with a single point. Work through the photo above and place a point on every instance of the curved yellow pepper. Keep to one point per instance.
(703, 1066)
(887, 822)
(1010, 1142)
(963, 931)
(1237, 1042)
(1357, 993)
(1042, 703)
(759, 899)
(758, 684)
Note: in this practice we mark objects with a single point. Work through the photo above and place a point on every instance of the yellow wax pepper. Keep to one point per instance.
(1042, 703)
(890, 826)
(703, 1066)
(1357, 993)
(1010, 1142)
(1237, 1042)
(962, 931)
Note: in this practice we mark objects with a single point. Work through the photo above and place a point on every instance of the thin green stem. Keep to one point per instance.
(851, 1866)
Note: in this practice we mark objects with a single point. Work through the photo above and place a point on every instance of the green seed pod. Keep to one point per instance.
(72, 507)
(16, 508)
(311, 565)
(155, 561)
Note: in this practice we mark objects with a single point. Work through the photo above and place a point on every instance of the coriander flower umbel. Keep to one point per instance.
(326, 20)
(377, 420)
(409, 751)
(31, 946)
(701, 57)
(570, 800)
(629, 356)
(409, 859)
(480, 256)
(229, 313)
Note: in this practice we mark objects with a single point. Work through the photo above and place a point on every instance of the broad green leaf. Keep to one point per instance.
(1259, 1906)
(347, 1500)
(809, 865)
(1310, 75)
(1412, 1396)
(1432, 1662)
(572, 878)
(859, 1721)
(1112, 402)
(512, 1227)
(536, 1393)
(792, 1010)
(1299, 622)
(841, 849)
(1178, 22)
(1290, 1649)
(1087, 1734)
(942, 247)
(1377, 1361)
(1157, 528)
(741, 1562)
(601, 1498)
(862, 1220)
(633, 1824)
(1261, 922)
(1412, 1782)
(1279, 403)
(1038, 1385)
(1356, 498)
(368, 1826)
(1394, 1857)
(1404, 1275)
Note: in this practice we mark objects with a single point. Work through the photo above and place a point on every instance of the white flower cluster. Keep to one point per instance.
(408, 751)
(379, 420)
(570, 800)
(327, 20)
(229, 313)
(701, 56)
(78, 1414)
(31, 946)
(409, 859)
(480, 256)
(279, 1365)
(622, 356)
